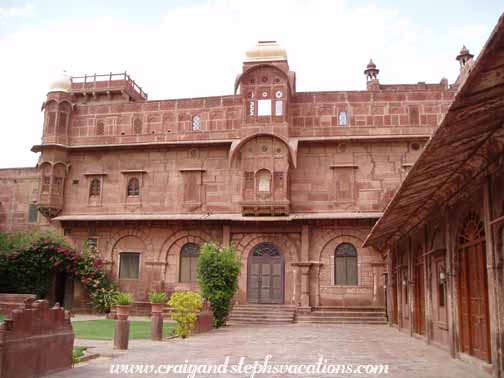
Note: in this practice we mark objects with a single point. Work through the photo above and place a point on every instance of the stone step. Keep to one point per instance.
(343, 321)
(253, 311)
(349, 308)
(262, 316)
(340, 317)
(342, 314)
(258, 321)
(266, 307)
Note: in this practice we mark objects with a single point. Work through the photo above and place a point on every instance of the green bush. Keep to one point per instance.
(185, 307)
(157, 297)
(123, 299)
(218, 271)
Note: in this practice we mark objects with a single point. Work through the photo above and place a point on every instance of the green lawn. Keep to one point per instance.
(104, 329)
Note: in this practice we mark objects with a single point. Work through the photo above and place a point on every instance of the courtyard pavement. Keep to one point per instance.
(287, 344)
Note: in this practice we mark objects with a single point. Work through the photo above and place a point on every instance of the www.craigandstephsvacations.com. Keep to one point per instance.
(251, 368)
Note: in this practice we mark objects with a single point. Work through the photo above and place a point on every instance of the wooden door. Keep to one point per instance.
(474, 324)
(265, 282)
(419, 297)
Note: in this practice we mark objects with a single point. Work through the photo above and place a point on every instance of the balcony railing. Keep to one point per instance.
(106, 81)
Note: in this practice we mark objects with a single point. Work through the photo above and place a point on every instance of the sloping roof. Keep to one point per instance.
(466, 145)
(217, 217)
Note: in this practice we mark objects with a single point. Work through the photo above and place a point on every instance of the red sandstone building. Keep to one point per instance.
(295, 181)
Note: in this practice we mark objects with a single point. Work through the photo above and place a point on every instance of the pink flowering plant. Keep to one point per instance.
(27, 266)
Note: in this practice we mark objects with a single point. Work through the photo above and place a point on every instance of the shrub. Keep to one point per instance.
(185, 307)
(218, 271)
(29, 259)
(123, 299)
(157, 297)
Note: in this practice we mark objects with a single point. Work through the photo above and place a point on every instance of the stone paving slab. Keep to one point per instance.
(294, 344)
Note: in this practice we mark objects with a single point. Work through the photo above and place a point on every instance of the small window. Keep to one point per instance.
(94, 187)
(263, 179)
(189, 262)
(46, 183)
(345, 265)
(129, 265)
(100, 128)
(137, 126)
(196, 123)
(343, 119)
(32, 214)
(51, 122)
(279, 108)
(264, 107)
(133, 187)
(441, 281)
(62, 121)
(92, 244)
(251, 108)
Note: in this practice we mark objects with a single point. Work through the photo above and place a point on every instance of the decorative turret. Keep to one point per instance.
(62, 83)
(371, 71)
(464, 57)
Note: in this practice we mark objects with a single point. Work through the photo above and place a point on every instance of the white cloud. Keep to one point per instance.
(197, 50)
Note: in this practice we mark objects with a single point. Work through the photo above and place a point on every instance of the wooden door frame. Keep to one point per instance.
(462, 263)
(282, 274)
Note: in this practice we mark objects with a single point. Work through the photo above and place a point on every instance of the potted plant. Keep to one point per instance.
(123, 304)
(157, 300)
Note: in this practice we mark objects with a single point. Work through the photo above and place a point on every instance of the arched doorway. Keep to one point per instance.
(474, 324)
(265, 275)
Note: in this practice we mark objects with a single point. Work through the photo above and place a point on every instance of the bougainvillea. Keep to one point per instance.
(28, 269)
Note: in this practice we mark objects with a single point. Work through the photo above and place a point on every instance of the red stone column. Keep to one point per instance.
(157, 326)
(121, 335)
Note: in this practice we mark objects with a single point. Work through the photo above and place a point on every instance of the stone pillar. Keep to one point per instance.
(121, 335)
(157, 326)
(305, 286)
(316, 275)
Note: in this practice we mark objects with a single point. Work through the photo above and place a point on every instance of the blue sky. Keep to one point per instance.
(195, 48)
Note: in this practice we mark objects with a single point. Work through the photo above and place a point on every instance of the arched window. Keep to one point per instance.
(46, 178)
(196, 123)
(343, 119)
(345, 265)
(94, 187)
(133, 187)
(58, 180)
(189, 262)
(263, 179)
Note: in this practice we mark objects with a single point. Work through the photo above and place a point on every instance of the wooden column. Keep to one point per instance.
(428, 289)
(389, 292)
(411, 287)
(494, 289)
(226, 235)
(451, 288)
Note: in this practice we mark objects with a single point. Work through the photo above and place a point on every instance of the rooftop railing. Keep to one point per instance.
(106, 80)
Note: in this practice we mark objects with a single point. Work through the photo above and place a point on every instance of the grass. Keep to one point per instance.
(104, 329)
(2, 317)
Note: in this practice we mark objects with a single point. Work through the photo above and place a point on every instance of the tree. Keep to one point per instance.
(218, 271)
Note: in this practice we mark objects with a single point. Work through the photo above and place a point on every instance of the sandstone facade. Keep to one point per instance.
(294, 180)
